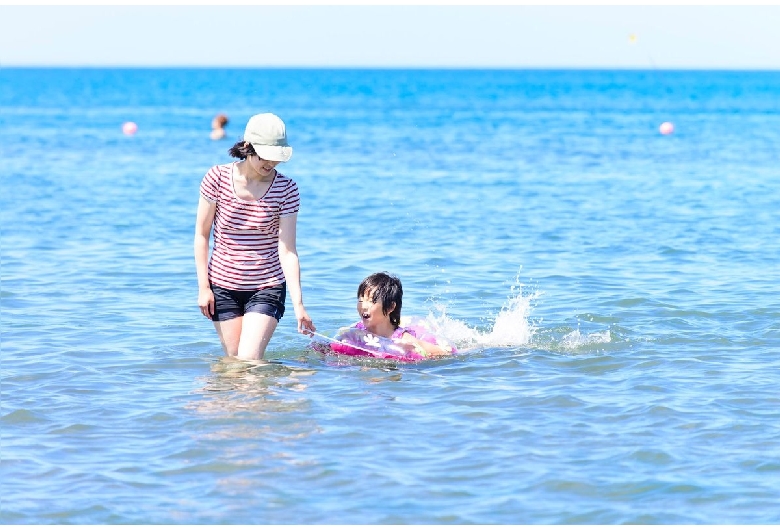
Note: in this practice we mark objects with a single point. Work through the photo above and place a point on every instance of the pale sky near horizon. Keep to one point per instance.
(512, 36)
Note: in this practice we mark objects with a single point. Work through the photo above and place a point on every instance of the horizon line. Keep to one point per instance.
(385, 67)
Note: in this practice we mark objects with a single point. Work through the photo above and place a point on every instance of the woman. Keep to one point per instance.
(253, 210)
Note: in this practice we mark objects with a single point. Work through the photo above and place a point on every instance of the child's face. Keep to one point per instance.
(371, 312)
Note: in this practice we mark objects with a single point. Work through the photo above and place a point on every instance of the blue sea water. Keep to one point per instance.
(615, 289)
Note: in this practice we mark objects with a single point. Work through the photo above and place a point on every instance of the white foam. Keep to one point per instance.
(576, 339)
(511, 327)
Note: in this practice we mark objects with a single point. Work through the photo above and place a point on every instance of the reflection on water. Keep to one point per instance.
(253, 413)
(237, 385)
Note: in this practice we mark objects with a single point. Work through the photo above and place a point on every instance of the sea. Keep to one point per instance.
(613, 292)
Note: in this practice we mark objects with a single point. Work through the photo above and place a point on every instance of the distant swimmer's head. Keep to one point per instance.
(218, 126)
(267, 136)
(219, 121)
(385, 289)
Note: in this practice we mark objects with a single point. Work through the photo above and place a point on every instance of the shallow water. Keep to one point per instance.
(615, 290)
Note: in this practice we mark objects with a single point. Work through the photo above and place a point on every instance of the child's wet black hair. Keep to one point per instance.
(388, 289)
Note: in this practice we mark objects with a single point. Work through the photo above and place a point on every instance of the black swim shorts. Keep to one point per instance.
(230, 304)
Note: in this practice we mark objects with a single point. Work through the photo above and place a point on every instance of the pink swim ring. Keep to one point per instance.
(358, 342)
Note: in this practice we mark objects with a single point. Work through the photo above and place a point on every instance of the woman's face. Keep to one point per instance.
(264, 168)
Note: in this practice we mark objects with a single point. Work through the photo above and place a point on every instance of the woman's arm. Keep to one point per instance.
(288, 256)
(203, 222)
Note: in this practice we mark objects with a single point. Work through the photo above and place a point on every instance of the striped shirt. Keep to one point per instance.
(246, 233)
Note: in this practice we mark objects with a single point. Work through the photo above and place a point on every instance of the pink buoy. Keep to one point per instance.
(358, 342)
(129, 127)
(666, 127)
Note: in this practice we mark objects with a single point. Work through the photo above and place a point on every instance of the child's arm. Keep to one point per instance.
(428, 347)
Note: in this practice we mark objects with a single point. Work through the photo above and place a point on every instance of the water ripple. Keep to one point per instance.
(613, 293)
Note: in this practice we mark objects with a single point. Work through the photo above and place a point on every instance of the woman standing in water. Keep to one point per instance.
(253, 210)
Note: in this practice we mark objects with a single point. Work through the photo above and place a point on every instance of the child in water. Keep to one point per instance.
(379, 300)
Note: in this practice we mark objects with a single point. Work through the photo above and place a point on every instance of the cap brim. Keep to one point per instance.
(275, 153)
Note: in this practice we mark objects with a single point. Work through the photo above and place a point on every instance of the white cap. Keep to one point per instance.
(268, 135)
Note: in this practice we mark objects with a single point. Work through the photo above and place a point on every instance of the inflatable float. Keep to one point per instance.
(362, 343)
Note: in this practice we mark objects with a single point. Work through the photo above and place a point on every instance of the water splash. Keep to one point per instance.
(511, 327)
(575, 339)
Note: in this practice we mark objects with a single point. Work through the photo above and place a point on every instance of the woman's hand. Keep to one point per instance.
(206, 302)
(305, 325)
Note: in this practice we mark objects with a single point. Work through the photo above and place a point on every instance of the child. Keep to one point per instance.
(379, 300)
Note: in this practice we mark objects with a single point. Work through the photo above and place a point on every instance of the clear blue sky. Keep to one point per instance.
(394, 36)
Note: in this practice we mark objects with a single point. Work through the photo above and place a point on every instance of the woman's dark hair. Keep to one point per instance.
(386, 288)
(242, 150)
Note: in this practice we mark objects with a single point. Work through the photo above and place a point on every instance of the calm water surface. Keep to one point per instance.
(615, 289)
